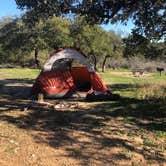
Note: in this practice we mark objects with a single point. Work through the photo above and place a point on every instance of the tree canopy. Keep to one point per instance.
(136, 44)
(95, 41)
(148, 15)
(18, 41)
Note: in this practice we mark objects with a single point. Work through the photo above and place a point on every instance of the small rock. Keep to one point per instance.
(33, 155)
(16, 150)
(11, 141)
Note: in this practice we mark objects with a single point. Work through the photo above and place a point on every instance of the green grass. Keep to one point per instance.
(110, 78)
(19, 73)
(126, 85)
(114, 81)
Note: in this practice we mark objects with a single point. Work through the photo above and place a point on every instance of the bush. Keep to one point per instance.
(136, 62)
(117, 63)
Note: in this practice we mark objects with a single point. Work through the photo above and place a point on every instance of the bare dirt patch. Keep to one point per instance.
(93, 134)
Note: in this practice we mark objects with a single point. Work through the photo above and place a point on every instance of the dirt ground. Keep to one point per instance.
(88, 135)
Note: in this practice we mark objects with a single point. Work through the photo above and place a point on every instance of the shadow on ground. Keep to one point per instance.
(15, 88)
(90, 133)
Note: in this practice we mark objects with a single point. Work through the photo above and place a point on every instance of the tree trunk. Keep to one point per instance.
(104, 62)
(37, 63)
(23, 61)
(95, 61)
(55, 47)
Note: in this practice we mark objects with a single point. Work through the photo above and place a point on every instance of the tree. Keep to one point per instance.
(157, 50)
(8, 32)
(18, 39)
(148, 15)
(136, 44)
(104, 62)
(56, 33)
(92, 40)
(21, 40)
(97, 43)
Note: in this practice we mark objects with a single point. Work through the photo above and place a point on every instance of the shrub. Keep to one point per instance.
(136, 62)
(117, 63)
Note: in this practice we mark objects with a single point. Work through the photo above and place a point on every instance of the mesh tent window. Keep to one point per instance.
(62, 65)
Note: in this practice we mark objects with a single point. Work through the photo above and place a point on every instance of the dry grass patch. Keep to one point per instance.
(130, 74)
(152, 91)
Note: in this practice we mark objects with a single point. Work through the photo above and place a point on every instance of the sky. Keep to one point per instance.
(119, 28)
(9, 8)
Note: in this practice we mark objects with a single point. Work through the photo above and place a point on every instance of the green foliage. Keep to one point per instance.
(8, 40)
(19, 41)
(117, 43)
(24, 45)
(93, 40)
(56, 33)
(147, 15)
(136, 44)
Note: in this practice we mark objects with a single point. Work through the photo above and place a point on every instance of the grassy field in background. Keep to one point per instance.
(19, 73)
(111, 78)
(108, 76)
(130, 131)
(118, 79)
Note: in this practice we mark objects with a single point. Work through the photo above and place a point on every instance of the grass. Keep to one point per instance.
(152, 91)
(19, 73)
(110, 78)
(129, 86)
(149, 142)
(132, 130)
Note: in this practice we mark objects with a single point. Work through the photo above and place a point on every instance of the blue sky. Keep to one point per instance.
(9, 8)
(119, 28)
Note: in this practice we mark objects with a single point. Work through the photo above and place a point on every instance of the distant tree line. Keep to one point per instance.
(46, 26)
(136, 44)
(28, 45)
(20, 44)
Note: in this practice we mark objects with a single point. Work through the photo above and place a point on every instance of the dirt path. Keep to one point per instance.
(89, 136)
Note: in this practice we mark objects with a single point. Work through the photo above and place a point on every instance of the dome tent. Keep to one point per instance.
(59, 79)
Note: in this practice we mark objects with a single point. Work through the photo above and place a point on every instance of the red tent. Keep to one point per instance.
(59, 79)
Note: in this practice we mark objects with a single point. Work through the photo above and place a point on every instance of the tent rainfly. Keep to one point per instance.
(59, 79)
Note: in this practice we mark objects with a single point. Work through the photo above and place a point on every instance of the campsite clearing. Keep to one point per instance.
(130, 131)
